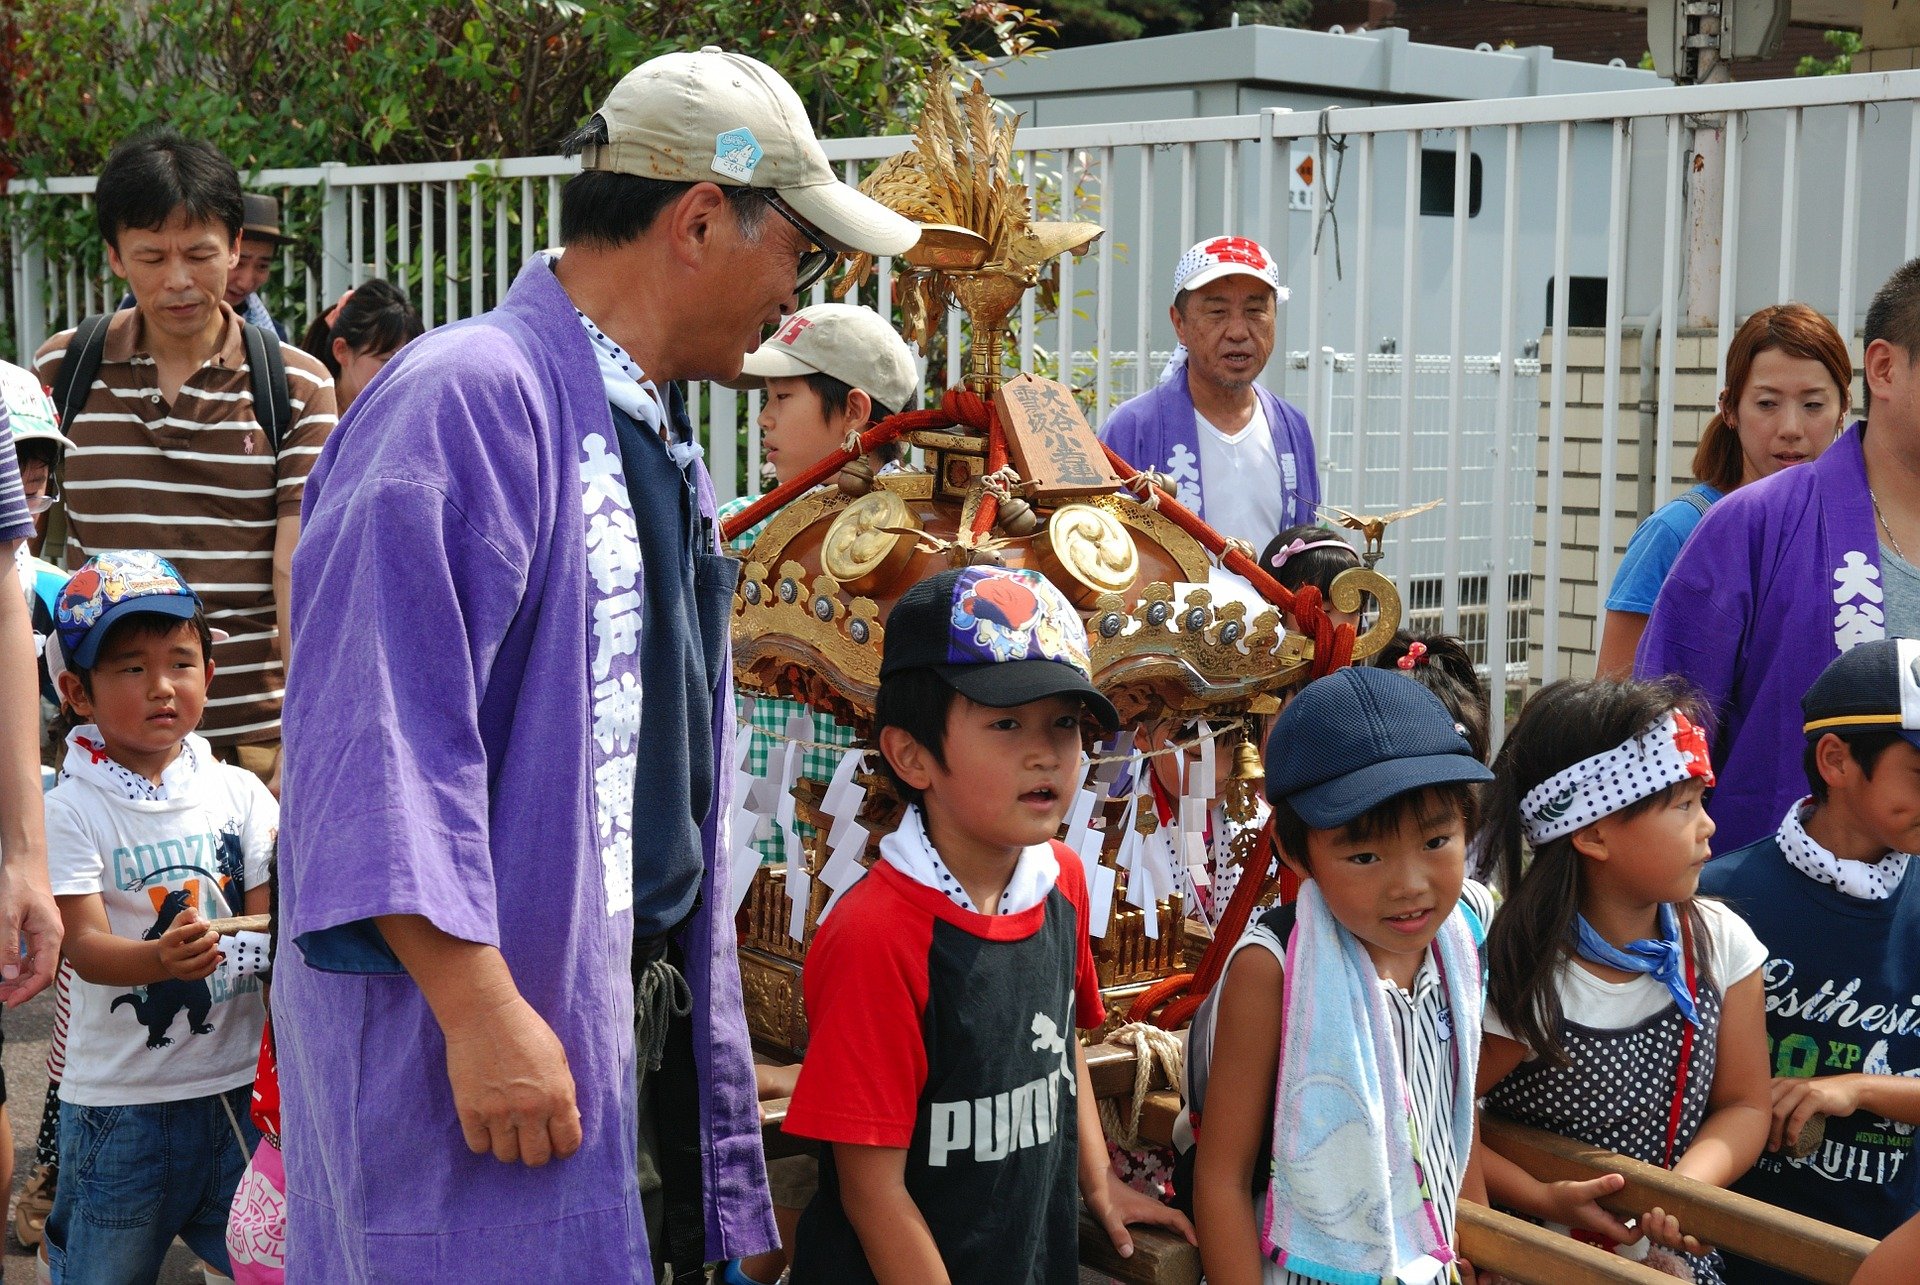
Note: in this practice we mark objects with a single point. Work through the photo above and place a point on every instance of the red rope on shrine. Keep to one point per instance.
(983, 516)
(1176, 998)
(1332, 644)
(958, 407)
(874, 438)
(1170, 1004)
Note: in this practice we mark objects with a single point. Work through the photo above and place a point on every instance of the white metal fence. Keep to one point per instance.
(1575, 209)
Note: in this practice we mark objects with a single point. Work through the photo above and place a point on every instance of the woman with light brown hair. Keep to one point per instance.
(1786, 398)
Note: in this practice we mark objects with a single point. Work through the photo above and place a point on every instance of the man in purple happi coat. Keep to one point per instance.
(1783, 575)
(1237, 455)
(508, 1008)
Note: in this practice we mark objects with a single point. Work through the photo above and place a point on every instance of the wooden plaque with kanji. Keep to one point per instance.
(1053, 446)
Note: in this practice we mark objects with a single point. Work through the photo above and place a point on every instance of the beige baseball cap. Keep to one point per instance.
(725, 118)
(852, 344)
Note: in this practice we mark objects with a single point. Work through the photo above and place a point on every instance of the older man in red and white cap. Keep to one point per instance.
(1237, 454)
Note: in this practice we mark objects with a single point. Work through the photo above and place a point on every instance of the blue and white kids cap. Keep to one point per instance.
(108, 586)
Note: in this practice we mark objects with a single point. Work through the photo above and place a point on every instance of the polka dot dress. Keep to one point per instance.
(1617, 1090)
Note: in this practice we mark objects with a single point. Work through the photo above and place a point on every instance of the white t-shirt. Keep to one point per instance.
(1240, 481)
(1732, 954)
(148, 858)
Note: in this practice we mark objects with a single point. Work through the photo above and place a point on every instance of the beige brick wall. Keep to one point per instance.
(1886, 59)
(1584, 579)
(1583, 464)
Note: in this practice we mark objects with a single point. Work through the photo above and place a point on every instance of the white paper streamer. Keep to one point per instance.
(799, 887)
(1100, 900)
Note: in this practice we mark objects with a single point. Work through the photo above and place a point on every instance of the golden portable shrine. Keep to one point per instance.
(1182, 624)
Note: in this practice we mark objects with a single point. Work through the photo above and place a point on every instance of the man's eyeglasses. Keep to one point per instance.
(814, 261)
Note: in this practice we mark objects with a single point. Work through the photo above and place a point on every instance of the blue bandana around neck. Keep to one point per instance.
(1663, 958)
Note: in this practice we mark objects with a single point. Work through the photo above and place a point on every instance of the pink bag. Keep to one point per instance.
(257, 1227)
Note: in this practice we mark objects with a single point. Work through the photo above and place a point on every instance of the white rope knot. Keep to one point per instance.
(851, 445)
(1236, 544)
(1141, 485)
(1150, 1045)
(1000, 483)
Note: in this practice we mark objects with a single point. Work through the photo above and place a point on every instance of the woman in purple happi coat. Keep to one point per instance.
(1782, 576)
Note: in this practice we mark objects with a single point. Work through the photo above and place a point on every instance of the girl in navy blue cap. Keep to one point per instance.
(1621, 1011)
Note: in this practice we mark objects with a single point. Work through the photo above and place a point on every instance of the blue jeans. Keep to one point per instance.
(134, 1177)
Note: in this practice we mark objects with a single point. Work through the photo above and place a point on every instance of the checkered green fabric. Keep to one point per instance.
(766, 718)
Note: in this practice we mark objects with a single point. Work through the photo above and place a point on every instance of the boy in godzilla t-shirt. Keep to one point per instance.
(149, 836)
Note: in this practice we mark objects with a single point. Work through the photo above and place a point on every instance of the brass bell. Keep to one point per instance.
(855, 478)
(1242, 801)
(1246, 762)
(984, 556)
(1017, 517)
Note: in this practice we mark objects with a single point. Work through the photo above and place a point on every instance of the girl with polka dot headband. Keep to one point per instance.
(1622, 1010)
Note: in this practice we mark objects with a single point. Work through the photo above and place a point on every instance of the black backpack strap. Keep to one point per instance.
(79, 366)
(272, 403)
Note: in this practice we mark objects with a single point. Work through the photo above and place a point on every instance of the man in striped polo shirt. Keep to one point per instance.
(169, 451)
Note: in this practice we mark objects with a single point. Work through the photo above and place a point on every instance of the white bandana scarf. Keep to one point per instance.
(88, 753)
(1867, 880)
(1670, 751)
(910, 851)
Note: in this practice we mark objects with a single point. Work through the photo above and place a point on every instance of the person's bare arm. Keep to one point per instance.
(512, 1086)
(1797, 1100)
(1619, 639)
(1739, 1110)
(286, 535)
(893, 1232)
(1740, 1107)
(187, 951)
(1112, 1201)
(1242, 1073)
(1892, 1262)
(26, 899)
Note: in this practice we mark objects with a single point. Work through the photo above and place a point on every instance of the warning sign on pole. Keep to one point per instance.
(1300, 179)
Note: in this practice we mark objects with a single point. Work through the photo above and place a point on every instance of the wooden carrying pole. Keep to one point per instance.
(1524, 1251)
(1751, 1228)
(1489, 1239)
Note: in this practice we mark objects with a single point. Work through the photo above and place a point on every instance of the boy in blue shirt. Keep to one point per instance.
(1827, 894)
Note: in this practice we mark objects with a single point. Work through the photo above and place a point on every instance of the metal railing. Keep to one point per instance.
(1576, 213)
